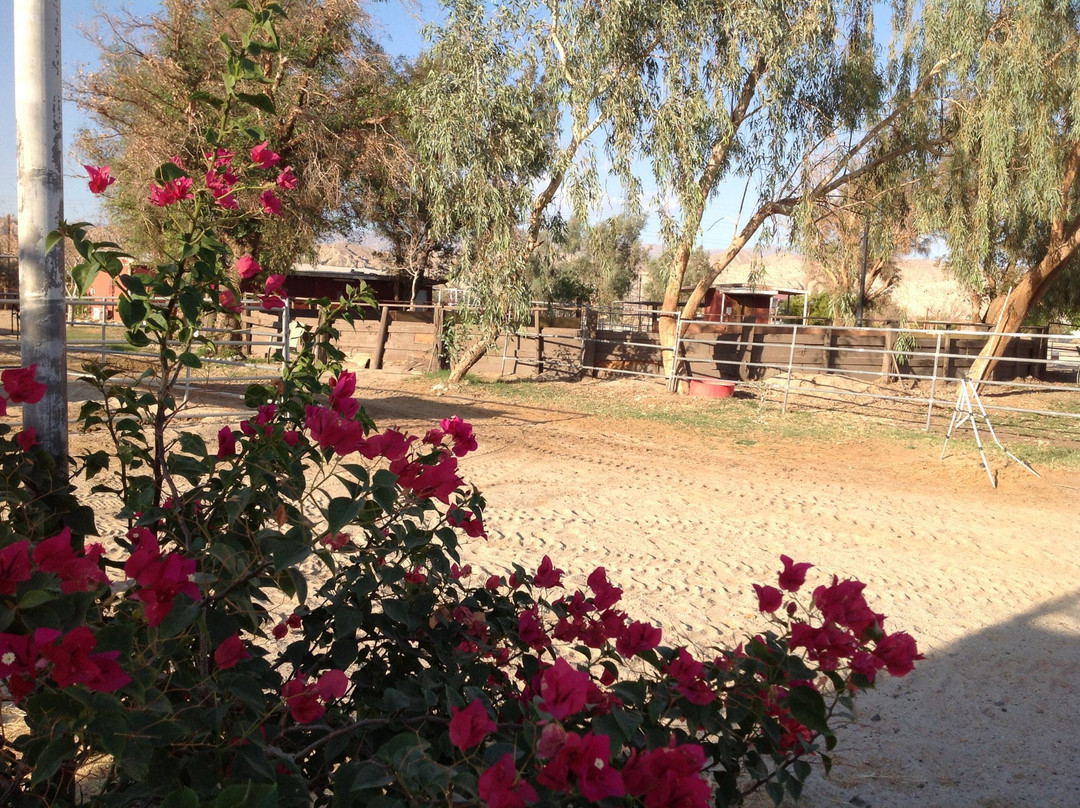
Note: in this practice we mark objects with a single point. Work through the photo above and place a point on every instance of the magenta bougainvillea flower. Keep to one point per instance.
(262, 157)
(27, 439)
(637, 637)
(898, 653)
(271, 205)
(286, 180)
(500, 787)
(461, 433)
(159, 578)
(14, 566)
(769, 598)
(843, 603)
(78, 571)
(306, 700)
(247, 267)
(99, 178)
(547, 576)
(667, 777)
(604, 594)
(564, 690)
(230, 652)
(226, 443)
(469, 726)
(588, 759)
(170, 192)
(792, 576)
(20, 385)
(73, 664)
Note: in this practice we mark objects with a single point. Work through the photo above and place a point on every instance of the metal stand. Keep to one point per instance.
(966, 402)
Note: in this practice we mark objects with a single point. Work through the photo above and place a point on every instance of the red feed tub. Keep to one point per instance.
(711, 388)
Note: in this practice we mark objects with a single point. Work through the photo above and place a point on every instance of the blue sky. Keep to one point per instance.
(397, 27)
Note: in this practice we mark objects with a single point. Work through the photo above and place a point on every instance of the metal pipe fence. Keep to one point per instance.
(907, 370)
(94, 325)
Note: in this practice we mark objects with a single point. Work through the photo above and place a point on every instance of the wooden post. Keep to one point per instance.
(380, 339)
(435, 361)
(826, 350)
(887, 357)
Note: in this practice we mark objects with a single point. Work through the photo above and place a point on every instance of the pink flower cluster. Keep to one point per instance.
(24, 657)
(306, 700)
(99, 178)
(220, 180)
(159, 578)
(78, 571)
(848, 624)
(20, 386)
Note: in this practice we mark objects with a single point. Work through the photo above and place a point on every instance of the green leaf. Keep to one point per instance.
(35, 597)
(52, 757)
(398, 611)
(179, 618)
(190, 360)
(135, 284)
(341, 512)
(247, 795)
(206, 98)
(191, 303)
(807, 706)
(132, 311)
(168, 171)
(112, 729)
(260, 101)
(52, 239)
(181, 798)
(299, 582)
(370, 775)
(83, 275)
(192, 443)
(775, 791)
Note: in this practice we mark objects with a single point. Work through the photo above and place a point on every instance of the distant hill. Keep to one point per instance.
(926, 291)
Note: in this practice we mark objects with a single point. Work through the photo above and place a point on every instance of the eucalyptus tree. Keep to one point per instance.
(793, 99)
(315, 91)
(386, 197)
(595, 262)
(851, 243)
(517, 100)
(1008, 189)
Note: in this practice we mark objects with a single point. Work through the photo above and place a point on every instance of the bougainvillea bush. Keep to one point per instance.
(165, 670)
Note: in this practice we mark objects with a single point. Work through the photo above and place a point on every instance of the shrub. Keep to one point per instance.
(157, 671)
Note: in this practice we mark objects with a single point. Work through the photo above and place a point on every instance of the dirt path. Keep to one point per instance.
(986, 580)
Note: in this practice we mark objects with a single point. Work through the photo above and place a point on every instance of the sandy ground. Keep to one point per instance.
(988, 581)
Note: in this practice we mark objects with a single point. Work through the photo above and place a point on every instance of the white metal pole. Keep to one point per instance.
(933, 383)
(790, 364)
(40, 150)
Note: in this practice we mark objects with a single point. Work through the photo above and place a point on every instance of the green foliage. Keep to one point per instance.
(508, 116)
(1006, 195)
(590, 263)
(659, 270)
(193, 75)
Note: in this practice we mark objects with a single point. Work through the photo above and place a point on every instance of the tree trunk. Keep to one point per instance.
(1008, 312)
(473, 354)
(667, 320)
